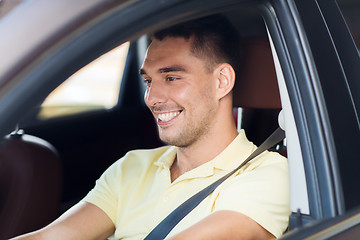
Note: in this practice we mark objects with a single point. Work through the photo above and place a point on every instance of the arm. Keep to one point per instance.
(225, 225)
(83, 221)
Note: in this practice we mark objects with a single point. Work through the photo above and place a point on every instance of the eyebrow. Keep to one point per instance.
(175, 68)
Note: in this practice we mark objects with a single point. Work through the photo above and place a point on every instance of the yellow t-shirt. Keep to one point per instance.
(136, 192)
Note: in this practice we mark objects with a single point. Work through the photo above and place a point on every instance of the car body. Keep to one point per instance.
(317, 67)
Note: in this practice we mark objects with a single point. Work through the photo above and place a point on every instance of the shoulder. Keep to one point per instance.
(268, 161)
(267, 171)
(260, 191)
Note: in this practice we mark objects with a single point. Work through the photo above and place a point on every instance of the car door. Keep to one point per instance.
(313, 56)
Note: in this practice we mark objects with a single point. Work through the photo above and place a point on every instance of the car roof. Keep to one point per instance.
(38, 21)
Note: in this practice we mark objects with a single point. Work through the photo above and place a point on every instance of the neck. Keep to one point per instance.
(204, 149)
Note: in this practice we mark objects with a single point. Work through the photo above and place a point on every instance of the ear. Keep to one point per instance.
(225, 76)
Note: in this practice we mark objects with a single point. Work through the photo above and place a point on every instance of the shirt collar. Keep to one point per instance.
(231, 157)
(167, 158)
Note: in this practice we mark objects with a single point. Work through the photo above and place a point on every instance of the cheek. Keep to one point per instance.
(182, 94)
(187, 96)
(197, 100)
(207, 93)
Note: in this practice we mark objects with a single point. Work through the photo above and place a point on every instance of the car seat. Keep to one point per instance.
(256, 98)
(30, 184)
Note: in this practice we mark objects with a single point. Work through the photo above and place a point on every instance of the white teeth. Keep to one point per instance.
(167, 116)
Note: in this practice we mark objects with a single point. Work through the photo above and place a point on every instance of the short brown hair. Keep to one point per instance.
(215, 39)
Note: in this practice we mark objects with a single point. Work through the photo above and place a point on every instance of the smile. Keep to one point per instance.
(166, 117)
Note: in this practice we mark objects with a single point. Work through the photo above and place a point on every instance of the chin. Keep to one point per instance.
(170, 140)
(176, 141)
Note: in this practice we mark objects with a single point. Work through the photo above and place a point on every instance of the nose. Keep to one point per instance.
(155, 94)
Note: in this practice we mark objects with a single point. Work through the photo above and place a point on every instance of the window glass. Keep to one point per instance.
(95, 86)
(351, 12)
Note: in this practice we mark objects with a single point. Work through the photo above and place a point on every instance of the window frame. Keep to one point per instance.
(295, 26)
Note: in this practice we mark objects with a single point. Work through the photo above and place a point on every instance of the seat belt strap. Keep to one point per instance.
(167, 224)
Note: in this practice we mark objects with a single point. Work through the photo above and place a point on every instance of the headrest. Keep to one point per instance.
(256, 85)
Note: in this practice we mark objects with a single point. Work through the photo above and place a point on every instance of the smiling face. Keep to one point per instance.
(180, 91)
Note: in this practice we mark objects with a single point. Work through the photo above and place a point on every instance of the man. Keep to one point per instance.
(189, 73)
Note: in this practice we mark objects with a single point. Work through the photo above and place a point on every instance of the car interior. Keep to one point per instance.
(48, 165)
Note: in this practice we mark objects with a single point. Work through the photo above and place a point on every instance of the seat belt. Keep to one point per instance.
(166, 225)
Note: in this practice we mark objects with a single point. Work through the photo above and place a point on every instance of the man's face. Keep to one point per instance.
(180, 91)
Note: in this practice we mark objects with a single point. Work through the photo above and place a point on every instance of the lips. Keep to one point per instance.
(166, 118)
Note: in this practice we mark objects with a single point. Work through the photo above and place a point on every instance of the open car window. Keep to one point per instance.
(96, 86)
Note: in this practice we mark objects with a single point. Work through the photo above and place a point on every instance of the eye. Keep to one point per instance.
(170, 79)
(147, 82)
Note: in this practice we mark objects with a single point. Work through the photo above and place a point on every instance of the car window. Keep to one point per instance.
(95, 86)
(350, 10)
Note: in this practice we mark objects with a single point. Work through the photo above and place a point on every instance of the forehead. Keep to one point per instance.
(169, 43)
(169, 51)
(174, 45)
